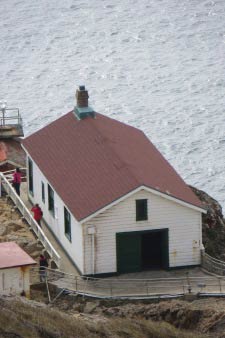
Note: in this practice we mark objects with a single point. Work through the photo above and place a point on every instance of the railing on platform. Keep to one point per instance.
(13, 117)
(7, 186)
(116, 287)
(213, 265)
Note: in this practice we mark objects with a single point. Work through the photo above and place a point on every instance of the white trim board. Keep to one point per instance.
(155, 192)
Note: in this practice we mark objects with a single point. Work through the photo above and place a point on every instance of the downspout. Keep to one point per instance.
(93, 253)
(91, 232)
(202, 248)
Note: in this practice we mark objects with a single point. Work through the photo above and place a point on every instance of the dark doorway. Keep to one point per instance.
(142, 250)
(154, 249)
(151, 250)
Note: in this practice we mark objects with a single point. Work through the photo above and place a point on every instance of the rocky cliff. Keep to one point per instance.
(14, 228)
(213, 225)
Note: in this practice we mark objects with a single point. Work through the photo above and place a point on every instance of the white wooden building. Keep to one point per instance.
(109, 197)
(15, 265)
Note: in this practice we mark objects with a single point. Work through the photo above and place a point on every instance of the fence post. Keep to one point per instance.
(111, 291)
(188, 282)
(220, 286)
(202, 256)
(46, 282)
(76, 283)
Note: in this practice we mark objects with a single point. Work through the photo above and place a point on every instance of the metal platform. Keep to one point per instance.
(10, 123)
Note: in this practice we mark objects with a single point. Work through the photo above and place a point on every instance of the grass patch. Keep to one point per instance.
(23, 319)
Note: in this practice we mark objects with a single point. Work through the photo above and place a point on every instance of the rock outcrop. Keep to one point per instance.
(13, 228)
(213, 225)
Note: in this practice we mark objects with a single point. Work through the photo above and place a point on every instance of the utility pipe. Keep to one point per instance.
(93, 252)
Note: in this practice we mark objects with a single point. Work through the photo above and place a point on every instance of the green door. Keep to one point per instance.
(128, 247)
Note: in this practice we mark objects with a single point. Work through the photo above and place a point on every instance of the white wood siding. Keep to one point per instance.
(56, 224)
(15, 280)
(184, 226)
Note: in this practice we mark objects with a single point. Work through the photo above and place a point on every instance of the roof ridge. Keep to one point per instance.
(110, 157)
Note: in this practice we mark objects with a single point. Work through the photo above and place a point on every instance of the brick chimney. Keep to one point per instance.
(82, 97)
(82, 110)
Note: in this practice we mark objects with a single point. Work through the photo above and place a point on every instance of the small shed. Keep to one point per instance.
(12, 154)
(15, 266)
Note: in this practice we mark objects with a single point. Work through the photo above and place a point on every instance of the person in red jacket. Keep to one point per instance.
(37, 213)
(17, 180)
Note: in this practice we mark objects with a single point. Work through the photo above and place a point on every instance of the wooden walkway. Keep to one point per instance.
(195, 283)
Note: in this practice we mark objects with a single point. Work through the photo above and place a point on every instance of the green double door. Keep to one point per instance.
(142, 250)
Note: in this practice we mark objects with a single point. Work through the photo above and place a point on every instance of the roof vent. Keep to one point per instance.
(82, 110)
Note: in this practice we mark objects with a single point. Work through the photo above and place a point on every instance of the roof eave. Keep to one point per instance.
(151, 190)
(17, 266)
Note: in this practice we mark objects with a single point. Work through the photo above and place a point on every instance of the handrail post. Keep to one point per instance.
(188, 282)
(76, 283)
(111, 289)
(220, 285)
(183, 286)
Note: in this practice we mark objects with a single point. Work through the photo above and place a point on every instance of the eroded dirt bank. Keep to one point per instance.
(20, 318)
(14, 228)
(86, 317)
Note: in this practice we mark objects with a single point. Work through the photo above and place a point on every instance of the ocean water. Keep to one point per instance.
(158, 65)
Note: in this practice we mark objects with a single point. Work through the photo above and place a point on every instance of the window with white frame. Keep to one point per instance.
(67, 224)
(30, 176)
(141, 210)
(51, 203)
(43, 192)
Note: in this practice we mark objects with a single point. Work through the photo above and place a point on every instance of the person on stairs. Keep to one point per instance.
(37, 213)
(17, 180)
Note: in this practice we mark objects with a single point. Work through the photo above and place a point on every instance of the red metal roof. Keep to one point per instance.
(12, 152)
(3, 156)
(11, 255)
(92, 162)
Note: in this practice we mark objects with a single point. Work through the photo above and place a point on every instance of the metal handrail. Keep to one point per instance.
(62, 274)
(215, 260)
(212, 264)
(17, 119)
(112, 288)
(30, 220)
(5, 119)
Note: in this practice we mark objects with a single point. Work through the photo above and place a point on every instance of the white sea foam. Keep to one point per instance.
(157, 65)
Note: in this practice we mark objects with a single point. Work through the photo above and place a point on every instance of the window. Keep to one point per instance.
(51, 206)
(30, 176)
(67, 223)
(43, 192)
(141, 210)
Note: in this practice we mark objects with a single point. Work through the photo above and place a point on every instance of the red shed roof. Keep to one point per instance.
(94, 161)
(11, 255)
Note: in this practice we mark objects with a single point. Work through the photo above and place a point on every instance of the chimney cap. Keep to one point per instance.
(82, 88)
(82, 109)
